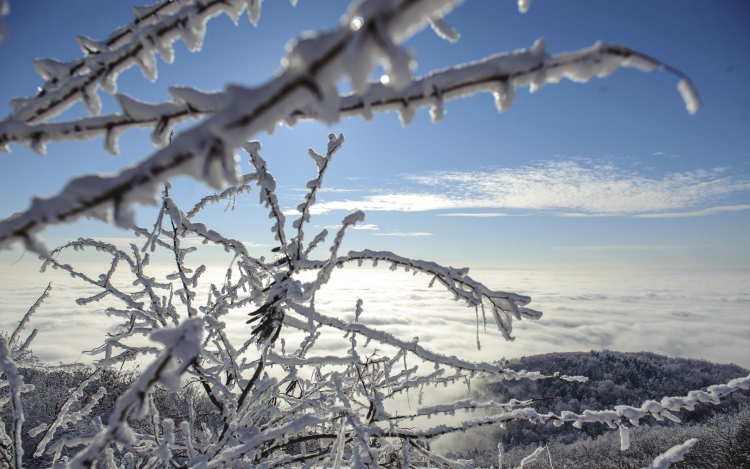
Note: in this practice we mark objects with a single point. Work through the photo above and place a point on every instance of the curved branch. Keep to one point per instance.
(207, 151)
(499, 74)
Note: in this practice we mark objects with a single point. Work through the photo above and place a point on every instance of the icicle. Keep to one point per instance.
(523, 5)
(443, 29)
(437, 111)
(504, 96)
(253, 10)
(689, 95)
(624, 438)
(541, 76)
(111, 141)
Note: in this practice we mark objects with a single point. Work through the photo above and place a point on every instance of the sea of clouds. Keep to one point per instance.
(690, 313)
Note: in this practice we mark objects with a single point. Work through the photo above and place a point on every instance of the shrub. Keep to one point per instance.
(271, 407)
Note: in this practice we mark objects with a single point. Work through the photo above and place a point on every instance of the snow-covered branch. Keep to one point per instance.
(673, 455)
(270, 404)
(153, 30)
(499, 74)
(206, 152)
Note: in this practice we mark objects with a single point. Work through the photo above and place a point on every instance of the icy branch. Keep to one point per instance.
(182, 347)
(14, 338)
(206, 152)
(154, 30)
(498, 74)
(673, 455)
(62, 414)
(8, 367)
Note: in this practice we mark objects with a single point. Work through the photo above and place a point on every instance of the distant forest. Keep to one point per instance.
(614, 379)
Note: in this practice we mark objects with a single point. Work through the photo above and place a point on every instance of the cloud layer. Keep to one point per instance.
(694, 314)
(568, 188)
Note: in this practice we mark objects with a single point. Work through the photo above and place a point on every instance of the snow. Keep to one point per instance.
(8, 367)
(673, 455)
(443, 29)
(334, 399)
(689, 95)
(523, 5)
(532, 457)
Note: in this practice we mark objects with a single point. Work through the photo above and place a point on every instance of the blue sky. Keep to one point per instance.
(612, 171)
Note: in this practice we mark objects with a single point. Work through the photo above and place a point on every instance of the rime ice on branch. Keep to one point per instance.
(305, 88)
(273, 407)
(293, 405)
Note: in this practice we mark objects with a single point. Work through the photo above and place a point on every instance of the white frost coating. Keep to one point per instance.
(334, 144)
(689, 95)
(62, 414)
(504, 306)
(443, 29)
(8, 367)
(499, 75)
(452, 463)
(532, 457)
(624, 438)
(230, 194)
(337, 401)
(673, 455)
(15, 338)
(310, 390)
(523, 5)
(153, 30)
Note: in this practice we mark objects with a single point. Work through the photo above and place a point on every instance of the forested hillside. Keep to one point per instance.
(615, 379)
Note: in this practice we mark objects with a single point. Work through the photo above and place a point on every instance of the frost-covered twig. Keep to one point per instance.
(672, 455)
(613, 418)
(229, 194)
(182, 347)
(207, 151)
(503, 305)
(16, 348)
(154, 30)
(499, 74)
(321, 162)
(62, 415)
(8, 367)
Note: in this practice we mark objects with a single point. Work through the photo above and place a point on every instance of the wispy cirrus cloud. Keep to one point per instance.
(568, 188)
(695, 213)
(370, 227)
(373, 227)
(479, 215)
(629, 248)
(404, 234)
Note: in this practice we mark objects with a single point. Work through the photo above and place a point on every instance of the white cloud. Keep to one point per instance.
(657, 153)
(627, 248)
(696, 213)
(480, 215)
(371, 227)
(404, 234)
(577, 188)
(687, 313)
(326, 189)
